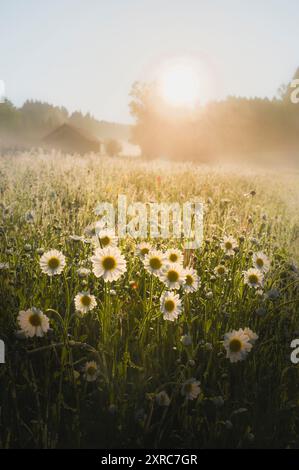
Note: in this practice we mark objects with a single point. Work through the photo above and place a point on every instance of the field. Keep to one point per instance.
(117, 372)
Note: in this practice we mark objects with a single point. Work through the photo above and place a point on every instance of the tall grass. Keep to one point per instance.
(45, 400)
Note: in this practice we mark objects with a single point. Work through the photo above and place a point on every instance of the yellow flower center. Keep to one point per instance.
(85, 300)
(91, 370)
(53, 263)
(35, 319)
(172, 276)
(259, 262)
(220, 270)
(253, 279)
(155, 263)
(144, 251)
(189, 280)
(235, 345)
(169, 305)
(228, 245)
(173, 257)
(109, 263)
(105, 241)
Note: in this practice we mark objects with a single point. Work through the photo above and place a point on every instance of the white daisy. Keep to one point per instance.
(162, 398)
(237, 345)
(93, 229)
(173, 276)
(105, 238)
(91, 371)
(84, 302)
(108, 263)
(174, 256)
(191, 389)
(192, 280)
(261, 262)
(33, 322)
(52, 262)
(220, 270)
(171, 306)
(83, 272)
(253, 277)
(143, 249)
(154, 262)
(253, 337)
(228, 244)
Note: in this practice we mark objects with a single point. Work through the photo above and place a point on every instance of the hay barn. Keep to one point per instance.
(70, 139)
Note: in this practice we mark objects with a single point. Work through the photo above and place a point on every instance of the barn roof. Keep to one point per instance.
(69, 131)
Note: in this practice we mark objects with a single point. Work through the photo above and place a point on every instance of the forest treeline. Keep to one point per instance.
(254, 128)
(29, 124)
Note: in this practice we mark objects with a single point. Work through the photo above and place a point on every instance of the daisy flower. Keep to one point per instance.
(251, 335)
(174, 256)
(143, 249)
(108, 263)
(105, 238)
(237, 345)
(52, 262)
(154, 262)
(83, 272)
(33, 322)
(253, 277)
(91, 371)
(162, 398)
(173, 276)
(171, 306)
(228, 244)
(261, 262)
(192, 280)
(220, 270)
(84, 302)
(191, 389)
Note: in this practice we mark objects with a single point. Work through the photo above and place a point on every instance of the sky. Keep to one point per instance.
(86, 54)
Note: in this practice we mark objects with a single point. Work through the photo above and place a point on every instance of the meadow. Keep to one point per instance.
(147, 358)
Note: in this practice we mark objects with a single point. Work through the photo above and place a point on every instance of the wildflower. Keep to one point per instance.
(83, 272)
(174, 256)
(228, 245)
(84, 302)
(143, 249)
(154, 262)
(192, 280)
(52, 262)
(251, 335)
(162, 398)
(171, 306)
(191, 389)
(76, 238)
(4, 266)
(33, 322)
(91, 371)
(186, 340)
(220, 270)
(253, 277)
(261, 262)
(105, 238)
(173, 276)
(237, 345)
(108, 263)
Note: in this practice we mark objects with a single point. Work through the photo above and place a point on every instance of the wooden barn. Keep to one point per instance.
(70, 139)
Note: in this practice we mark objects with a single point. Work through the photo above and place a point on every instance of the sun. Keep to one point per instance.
(179, 84)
